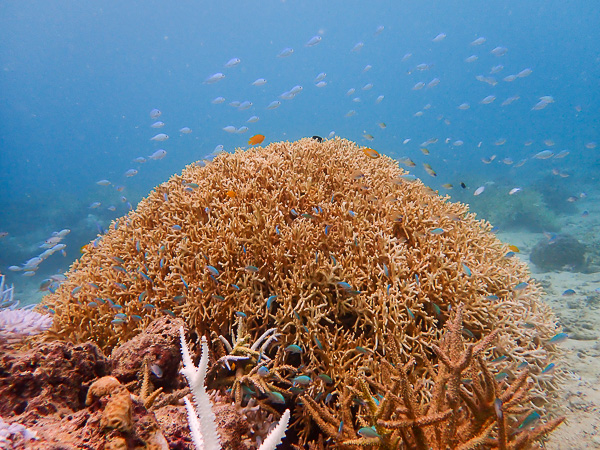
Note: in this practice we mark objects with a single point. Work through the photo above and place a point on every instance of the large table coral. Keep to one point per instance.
(329, 247)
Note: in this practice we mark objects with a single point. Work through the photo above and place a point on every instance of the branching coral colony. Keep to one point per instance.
(469, 408)
(350, 264)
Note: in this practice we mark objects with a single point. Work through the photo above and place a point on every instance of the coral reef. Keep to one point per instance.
(559, 252)
(328, 247)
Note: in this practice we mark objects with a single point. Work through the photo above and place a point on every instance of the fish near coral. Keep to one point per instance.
(256, 139)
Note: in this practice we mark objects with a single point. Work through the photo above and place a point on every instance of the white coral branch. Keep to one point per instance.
(202, 422)
(277, 434)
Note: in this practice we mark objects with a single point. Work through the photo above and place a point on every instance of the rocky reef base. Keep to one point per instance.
(57, 395)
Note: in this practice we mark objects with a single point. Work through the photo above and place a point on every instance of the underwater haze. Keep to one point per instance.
(493, 103)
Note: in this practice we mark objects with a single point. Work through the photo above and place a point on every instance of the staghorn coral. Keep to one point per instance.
(335, 248)
(464, 413)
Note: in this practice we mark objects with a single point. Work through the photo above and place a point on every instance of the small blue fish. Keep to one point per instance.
(501, 376)
(386, 272)
(213, 270)
(326, 378)
(75, 290)
(176, 227)
(521, 286)
(117, 321)
(523, 365)
(136, 318)
(294, 212)
(235, 286)
(179, 298)
(529, 420)
(121, 316)
(144, 276)
(558, 338)
(333, 259)
(368, 432)
(498, 408)
(437, 231)
(499, 359)
(352, 213)
(276, 397)
(241, 314)
(270, 301)
(568, 293)
(509, 255)
(93, 304)
(168, 312)
(549, 368)
(326, 229)
(120, 286)
(293, 348)
(466, 269)
(252, 269)
(218, 297)
(318, 342)
(302, 380)
(277, 229)
(142, 296)
(184, 283)
(344, 285)
(492, 297)
(410, 313)
(149, 306)
(263, 371)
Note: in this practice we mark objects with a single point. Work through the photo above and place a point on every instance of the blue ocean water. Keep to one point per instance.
(79, 80)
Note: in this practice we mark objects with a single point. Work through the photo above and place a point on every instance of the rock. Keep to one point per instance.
(562, 252)
(159, 342)
(48, 377)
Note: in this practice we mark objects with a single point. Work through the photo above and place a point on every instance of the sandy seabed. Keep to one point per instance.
(579, 314)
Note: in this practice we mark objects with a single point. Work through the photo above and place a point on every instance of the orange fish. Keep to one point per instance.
(231, 193)
(514, 248)
(370, 152)
(256, 139)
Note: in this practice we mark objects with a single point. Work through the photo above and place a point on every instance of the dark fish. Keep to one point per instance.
(318, 138)
(463, 185)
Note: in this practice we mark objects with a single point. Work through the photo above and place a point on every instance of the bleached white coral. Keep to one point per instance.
(15, 324)
(202, 422)
(9, 430)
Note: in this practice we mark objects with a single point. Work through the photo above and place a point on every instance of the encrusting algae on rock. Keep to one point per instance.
(349, 265)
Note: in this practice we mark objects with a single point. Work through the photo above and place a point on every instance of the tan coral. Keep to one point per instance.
(117, 412)
(361, 261)
(101, 387)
